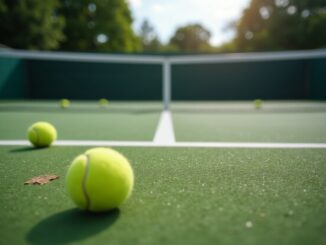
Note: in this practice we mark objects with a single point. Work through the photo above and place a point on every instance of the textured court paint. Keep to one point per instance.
(181, 196)
(119, 121)
(287, 122)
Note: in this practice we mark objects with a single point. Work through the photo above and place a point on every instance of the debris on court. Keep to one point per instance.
(41, 180)
(289, 213)
(248, 224)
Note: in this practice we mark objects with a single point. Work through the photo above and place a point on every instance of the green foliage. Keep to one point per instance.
(85, 25)
(149, 39)
(226, 47)
(282, 24)
(98, 25)
(30, 24)
(191, 38)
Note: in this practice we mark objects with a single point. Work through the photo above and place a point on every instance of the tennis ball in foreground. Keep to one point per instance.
(99, 180)
(103, 102)
(42, 134)
(258, 103)
(64, 103)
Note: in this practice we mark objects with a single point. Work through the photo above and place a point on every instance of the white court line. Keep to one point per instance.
(164, 134)
(175, 144)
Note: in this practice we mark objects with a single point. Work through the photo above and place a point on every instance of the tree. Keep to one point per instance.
(149, 38)
(31, 24)
(98, 25)
(191, 38)
(282, 24)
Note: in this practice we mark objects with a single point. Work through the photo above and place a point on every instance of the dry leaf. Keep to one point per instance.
(41, 180)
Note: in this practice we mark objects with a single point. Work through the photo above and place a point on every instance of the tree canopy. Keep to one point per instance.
(85, 25)
(27, 24)
(149, 39)
(106, 25)
(282, 25)
(98, 25)
(191, 38)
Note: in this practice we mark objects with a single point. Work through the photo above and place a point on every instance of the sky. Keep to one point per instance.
(167, 15)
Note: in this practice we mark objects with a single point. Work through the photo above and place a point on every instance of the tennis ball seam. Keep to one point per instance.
(85, 177)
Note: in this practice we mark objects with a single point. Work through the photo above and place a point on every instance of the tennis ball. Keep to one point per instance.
(64, 103)
(99, 180)
(42, 134)
(258, 103)
(103, 102)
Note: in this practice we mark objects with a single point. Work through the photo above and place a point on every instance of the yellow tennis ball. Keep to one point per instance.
(258, 103)
(42, 134)
(103, 102)
(99, 180)
(64, 103)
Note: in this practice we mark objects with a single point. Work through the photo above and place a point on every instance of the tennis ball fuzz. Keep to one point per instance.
(258, 103)
(42, 134)
(64, 103)
(103, 102)
(99, 180)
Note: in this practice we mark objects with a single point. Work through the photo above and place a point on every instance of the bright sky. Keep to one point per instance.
(167, 15)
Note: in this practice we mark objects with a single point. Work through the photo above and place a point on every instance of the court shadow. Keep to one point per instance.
(71, 226)
(28, 148)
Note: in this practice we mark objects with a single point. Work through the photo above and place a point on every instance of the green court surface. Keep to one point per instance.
(82, 120)
(181, 196)
(295, 122)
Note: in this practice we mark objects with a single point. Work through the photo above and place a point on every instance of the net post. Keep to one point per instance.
(166, 83)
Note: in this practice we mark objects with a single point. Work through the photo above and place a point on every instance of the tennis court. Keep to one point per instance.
(206, 171)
